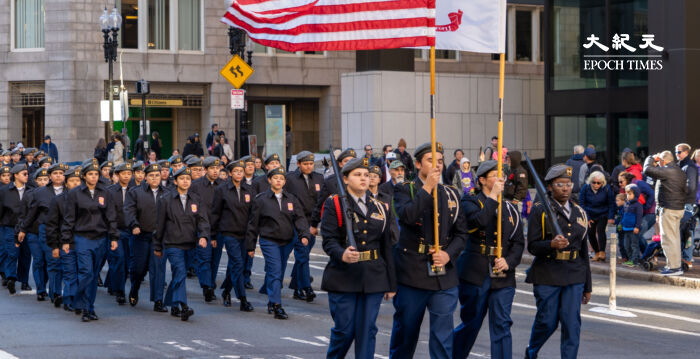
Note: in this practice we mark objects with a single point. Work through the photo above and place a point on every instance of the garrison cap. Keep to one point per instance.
(354, 164)
(247, 159)
(396, 164)
(305, 156)
(90, 167)
(194, 162)
(175, 159)
(29, 151)
(73, 172)
(138, 166)
(106, 164)
(272, 157)
(276, 171)
(427, 147)
(376, 170)
(347, 153)
(46, 159)
(123, 167)
(234, 164)
(211, 161)
(559, 171)
(486, 167)
(183, 171)
(42, 172)
(164, 163)
(58, 167)
(187, 158)
(4, 169)
(153, 167)
(18, 168)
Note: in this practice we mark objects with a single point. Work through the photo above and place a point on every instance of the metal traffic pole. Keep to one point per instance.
(611, 309)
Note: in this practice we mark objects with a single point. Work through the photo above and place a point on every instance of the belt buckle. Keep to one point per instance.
(365, 256)
(563, 255)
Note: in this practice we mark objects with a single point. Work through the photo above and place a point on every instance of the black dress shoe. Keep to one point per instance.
(191, 273)
(159, 307)
(270, 308)
(110, 291)
(93, 316)
(311, 279)
(99, 281)
(78, 311)
(175, 311)
(300, 294)
(245, 305)
(86, 317)
(205, 293)
(25, 286)
(310, 295)
(133, 298)
(279, 312)
(248, 285)
(41, 297)
(121, 298)
(186, 312)
(227, 299)
(67, 307)
(11, 286)
(57, 301)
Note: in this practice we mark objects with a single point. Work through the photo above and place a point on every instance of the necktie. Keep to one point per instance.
(155, 196)
(183, 199)
(21, 192)
(363, 207)
(92, 194)
(238, 192)
(58, 190)
(123, 194)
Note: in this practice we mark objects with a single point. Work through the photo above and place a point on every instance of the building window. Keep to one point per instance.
(542, 37)
(29, 24)
(129, 33)
(445, 55)
(190, 25)
(523, 35)
(158, 24)
(569, 131)
(631, 17)
(633, 133)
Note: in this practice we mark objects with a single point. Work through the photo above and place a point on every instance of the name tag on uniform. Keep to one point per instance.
(194, 208)
(101, 200)
(247, 198)
(290, 206)
(377, 216)
(318, 187)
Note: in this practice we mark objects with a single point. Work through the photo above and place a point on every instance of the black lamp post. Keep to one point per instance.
(237, 46)
(111, 23)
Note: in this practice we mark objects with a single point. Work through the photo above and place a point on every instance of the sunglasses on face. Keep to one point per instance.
(596, 182)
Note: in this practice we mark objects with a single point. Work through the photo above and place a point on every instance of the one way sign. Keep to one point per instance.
(236, 71)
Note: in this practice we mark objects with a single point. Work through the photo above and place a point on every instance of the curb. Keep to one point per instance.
(679, 281)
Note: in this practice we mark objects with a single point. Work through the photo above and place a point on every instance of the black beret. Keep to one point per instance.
(211, 161)
(234, 164)
(73, 172)
(106, 164)
(18, 168)
(354, 164)
(559, 171)
(376, 170)
(305, 156)
(347, 153)
(123, 167)
(247, 159)
(486, 167)
(427, 147)
(182, 171)
(4, 169)
(138, 166)
(153, 167)
(46, 159)
(42, 172)
(90, 167)
(272, 157)
(175, 160)
(164, 163)
(276, 171)
(29, 151)
(194, 162)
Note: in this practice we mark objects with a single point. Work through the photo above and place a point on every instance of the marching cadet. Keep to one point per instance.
(181, 217)
(479, 290)
(89, 223)
(5, 177)
(375, 178)
(249, 175)
(208, 258)
(249, 171)
(305, 184)
(330, 186)
(560, 272)
(176, 163)
(357, 279)
(426, 277)
(261, 184)
(197, 166)
(140, 211)
(28, 228)
(45, 162)
(274, 217)
(11, 208)
(118, 259)
(5, 158)
(105, 173)
(165, 180)
(139, 174)
(29, 160)
(64, 251)
(16, 156)
(232, 204)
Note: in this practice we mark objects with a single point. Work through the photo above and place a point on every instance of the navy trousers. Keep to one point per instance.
(410, 304)
(118, 262)
(145, 261)
(276, 257)
(69, 269)
(236, 252)
(89, 257)
(11, 252)
(475, 302)
(53, 266)
(203, 260)
(38, 262)
(301, 274)
(177, 289)
(24, 263)
(355, 316)
(557, 305)
(3, 251)
(248, 269)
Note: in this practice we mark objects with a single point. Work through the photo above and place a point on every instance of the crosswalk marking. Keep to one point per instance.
(302, 341)
(204, 344)
(323, 339)
(237, 342)
(6, 355)
(179, 346)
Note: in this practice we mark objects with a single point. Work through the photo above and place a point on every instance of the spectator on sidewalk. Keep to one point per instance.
(631, 225)
(620, 200)
(139, 150)
(671, 191)
(629, 160)
(616, 172)
(405, 158)
(49, 148)
(156, 144)
(590, 166)
(646, 199)
(465, 179)
(687, 164)
(456, 164)
(100, 151)
(517, 181)
(210, 138)
(575, 162)
(598, 200)
(490, 150)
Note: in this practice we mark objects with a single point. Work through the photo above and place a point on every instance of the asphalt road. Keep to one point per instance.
(667, 324)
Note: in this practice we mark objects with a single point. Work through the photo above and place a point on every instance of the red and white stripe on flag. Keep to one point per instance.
(320, 25)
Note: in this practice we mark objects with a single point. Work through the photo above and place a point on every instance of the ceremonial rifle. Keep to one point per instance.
(542, 192)
(344, 205)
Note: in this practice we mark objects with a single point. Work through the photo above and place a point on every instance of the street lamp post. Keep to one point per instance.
(111, 23)
(237, 46)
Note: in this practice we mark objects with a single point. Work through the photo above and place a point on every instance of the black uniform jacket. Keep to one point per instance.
(414, 207)
(307, 196)
(115, 191)
(92, 218)
(178, 227)
(206, 189)
(260, 184)
(329, 188)
(372, 233)
(547, 270)
(274, 224)
(140, 208)
(11, 207)
(230, 213)
(481, 213)
(37, 209)
(388, 201)
(57, 210)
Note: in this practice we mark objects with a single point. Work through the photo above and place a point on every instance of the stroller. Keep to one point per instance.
(648, 260)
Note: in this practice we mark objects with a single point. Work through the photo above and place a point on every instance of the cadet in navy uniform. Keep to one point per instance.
(232, 204)
(249, 170)
(418, 286)
(330, 186)
(181, 217)
(305, 184)
(105, 173)
(208, 258)
(139, 174)
(560, 272)
(140, 211)
(478, 291)
(28, 154)
(60, 250)
(11, 208)
(5, 177)
(260, 183)
(90, 220)
(118, 260)
(357, 279)
(165, 180)
(275, 216)
(196, 166)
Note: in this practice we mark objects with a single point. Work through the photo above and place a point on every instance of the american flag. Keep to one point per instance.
(320, 25)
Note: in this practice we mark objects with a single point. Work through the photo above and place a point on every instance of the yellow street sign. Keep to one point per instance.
(156, 102)
(236, 71)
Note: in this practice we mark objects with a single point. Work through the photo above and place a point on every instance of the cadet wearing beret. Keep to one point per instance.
(181, 220)
(305, 184)
(5, 178)
(16, 156)
(118, 259)
(165, 179)
(176, 163)
(479, 291)
(233, 202)
(139, 174)
(11, 207)
(357, 279)
(277, 218)
(45, 162)
(105, 172)
(208, 258)
(330, 185)
(560, 272)
(29, 160)
(140, 210)
(195, 164)
(419, 287)
(260, 183)
(249, 170)
(249, 176)
(88, 223)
